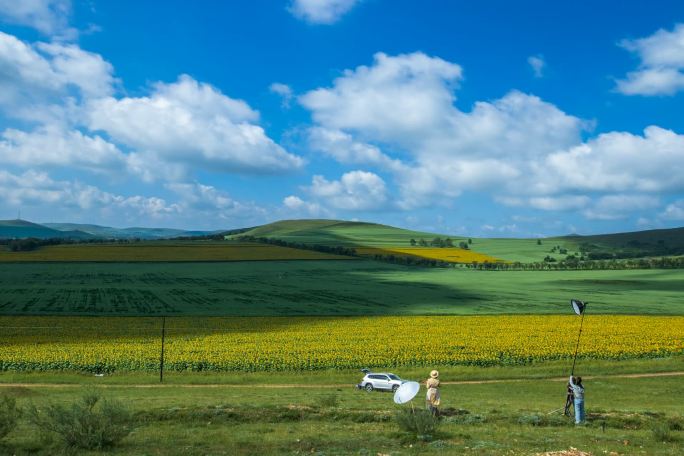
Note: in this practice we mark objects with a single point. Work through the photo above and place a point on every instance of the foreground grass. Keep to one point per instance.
(335, 378)
(504, 418)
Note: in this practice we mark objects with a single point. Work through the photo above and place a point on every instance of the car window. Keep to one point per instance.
(393, 377)
(375, 377)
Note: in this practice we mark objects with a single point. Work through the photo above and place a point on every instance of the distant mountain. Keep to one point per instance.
(17, 229)
(10, 229)
(127, 233)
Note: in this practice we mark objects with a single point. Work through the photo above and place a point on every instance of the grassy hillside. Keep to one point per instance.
(628, 245)
(337, 232)
(361, 234)
(10, 229)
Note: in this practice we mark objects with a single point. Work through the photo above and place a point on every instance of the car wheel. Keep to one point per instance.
(395, 388)
(369, 387)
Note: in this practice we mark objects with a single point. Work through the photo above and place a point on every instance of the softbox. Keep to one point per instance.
(578, 306)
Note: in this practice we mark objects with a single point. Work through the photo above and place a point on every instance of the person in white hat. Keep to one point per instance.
(433, 397)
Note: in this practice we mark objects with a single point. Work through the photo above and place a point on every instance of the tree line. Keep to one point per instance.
(337, 250)
(439, 242)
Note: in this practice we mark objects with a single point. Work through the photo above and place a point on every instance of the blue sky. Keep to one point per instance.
(478, 118)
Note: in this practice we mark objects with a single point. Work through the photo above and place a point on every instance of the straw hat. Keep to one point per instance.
(434, 374)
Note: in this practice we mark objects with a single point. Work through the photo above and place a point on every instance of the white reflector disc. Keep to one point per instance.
(406, 392)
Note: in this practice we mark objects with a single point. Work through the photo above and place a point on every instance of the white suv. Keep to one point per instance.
(380, 381)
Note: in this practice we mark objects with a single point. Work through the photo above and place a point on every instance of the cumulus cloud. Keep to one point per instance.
(519, 148)
(395, 99)
(34, 76)
(209, 202)
(621, 161)
(538, 64)
(674, 211)
(615, 207)
(192, 123)
(661, 70)
(343, 148)
(295, 207)
(37, 189)
(406, 103)
(50, 17)
(54, 147)
(355, 191)
(321, 11)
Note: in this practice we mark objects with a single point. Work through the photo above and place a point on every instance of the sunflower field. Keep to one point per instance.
(106, 344)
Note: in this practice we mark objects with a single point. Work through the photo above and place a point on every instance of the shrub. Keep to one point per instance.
(419, 423)
(9, 415)
(90, 423)
(531, 419)
(330, 400)
(662, 433)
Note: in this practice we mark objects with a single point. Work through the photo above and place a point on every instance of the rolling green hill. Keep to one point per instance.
(10, 229)
(338, 232)
(357, 234)
(629, 245)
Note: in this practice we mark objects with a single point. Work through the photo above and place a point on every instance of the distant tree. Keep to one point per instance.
(539, 242)
(413, 242)
(422, 242)
(449, 242)
(464, 245)
(470, 241)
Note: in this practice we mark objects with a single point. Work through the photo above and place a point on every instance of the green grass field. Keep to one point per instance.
(350, 287)
(321, 413)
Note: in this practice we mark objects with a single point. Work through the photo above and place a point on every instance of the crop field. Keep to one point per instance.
(311, 343)
(165, 251)
(349, 287)
(449, 255)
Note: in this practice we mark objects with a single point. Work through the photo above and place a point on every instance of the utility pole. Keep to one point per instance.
(161, 357)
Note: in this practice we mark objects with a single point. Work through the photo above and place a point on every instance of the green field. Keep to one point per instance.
(320, 413)
(349, 287)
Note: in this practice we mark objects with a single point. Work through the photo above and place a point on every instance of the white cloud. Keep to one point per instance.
(661, 71)
(615, 207)
(538, 65)
(295, 207)
(406, 103)
(547, 203)
(342, 147)
(674, 211)
(54, 147)
(321, 11)
(619, 162)
(34, 189)
(355, 191)
(192, 123)
(284, 91)
(50, 17)
(35, 76)
(519, 148)
(209, 202)
(396, 99)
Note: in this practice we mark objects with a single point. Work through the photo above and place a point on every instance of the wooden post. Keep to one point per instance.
(161, 357)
